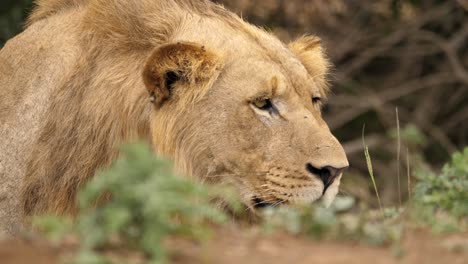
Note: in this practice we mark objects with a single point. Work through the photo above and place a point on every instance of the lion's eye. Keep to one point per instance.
(264, 104)
(316, 100)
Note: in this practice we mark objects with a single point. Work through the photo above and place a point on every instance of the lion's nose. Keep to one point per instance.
(327, 174)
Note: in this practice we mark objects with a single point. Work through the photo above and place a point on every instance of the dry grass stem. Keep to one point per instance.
(398, 156)
(408, 173)
(371, 171)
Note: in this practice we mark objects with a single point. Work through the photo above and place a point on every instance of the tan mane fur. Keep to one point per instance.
(139, 23)
(47, 8)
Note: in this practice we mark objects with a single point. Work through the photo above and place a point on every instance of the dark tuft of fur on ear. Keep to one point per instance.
(171, 78)
(181, 64)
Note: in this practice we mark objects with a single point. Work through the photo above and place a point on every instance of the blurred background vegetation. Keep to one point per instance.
(410, 55)
(12, 16)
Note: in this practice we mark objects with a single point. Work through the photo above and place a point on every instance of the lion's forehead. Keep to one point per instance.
(247, 50)
(258, 71)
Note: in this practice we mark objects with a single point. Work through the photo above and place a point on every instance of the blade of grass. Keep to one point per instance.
(398, 155)
(408, 173)
(371, 171)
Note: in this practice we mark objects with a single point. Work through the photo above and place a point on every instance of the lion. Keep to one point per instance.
(228, 102)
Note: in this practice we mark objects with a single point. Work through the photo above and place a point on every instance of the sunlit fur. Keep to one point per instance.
(77, 83)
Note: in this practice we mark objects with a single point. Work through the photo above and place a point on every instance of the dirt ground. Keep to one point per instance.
(231, 246)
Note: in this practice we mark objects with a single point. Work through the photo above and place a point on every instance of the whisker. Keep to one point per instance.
(279, 202)
(235, 174)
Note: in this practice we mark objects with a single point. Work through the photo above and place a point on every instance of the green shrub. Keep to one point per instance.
(148, 203)
(442, 200)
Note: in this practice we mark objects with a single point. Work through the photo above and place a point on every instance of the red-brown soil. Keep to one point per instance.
(232, 246)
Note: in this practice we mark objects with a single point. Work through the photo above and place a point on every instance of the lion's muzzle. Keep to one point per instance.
(327, 174)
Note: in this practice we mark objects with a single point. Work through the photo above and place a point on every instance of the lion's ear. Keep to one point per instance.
(180, 65)
(309, 51)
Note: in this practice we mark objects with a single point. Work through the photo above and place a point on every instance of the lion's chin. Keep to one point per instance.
(329, 196)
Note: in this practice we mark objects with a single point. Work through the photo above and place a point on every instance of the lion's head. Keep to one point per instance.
(249, 118)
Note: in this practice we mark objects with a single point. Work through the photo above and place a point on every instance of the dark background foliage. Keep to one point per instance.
(410, 55)
(12, 15)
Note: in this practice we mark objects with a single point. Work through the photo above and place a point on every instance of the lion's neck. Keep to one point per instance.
(90, 116)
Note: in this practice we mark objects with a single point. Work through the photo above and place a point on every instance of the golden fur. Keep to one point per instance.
(182, 75)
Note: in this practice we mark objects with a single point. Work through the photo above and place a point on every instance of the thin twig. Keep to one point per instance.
(390, 41)
(398, 155)
(408, 173)
(359, 106)
(450, 50)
